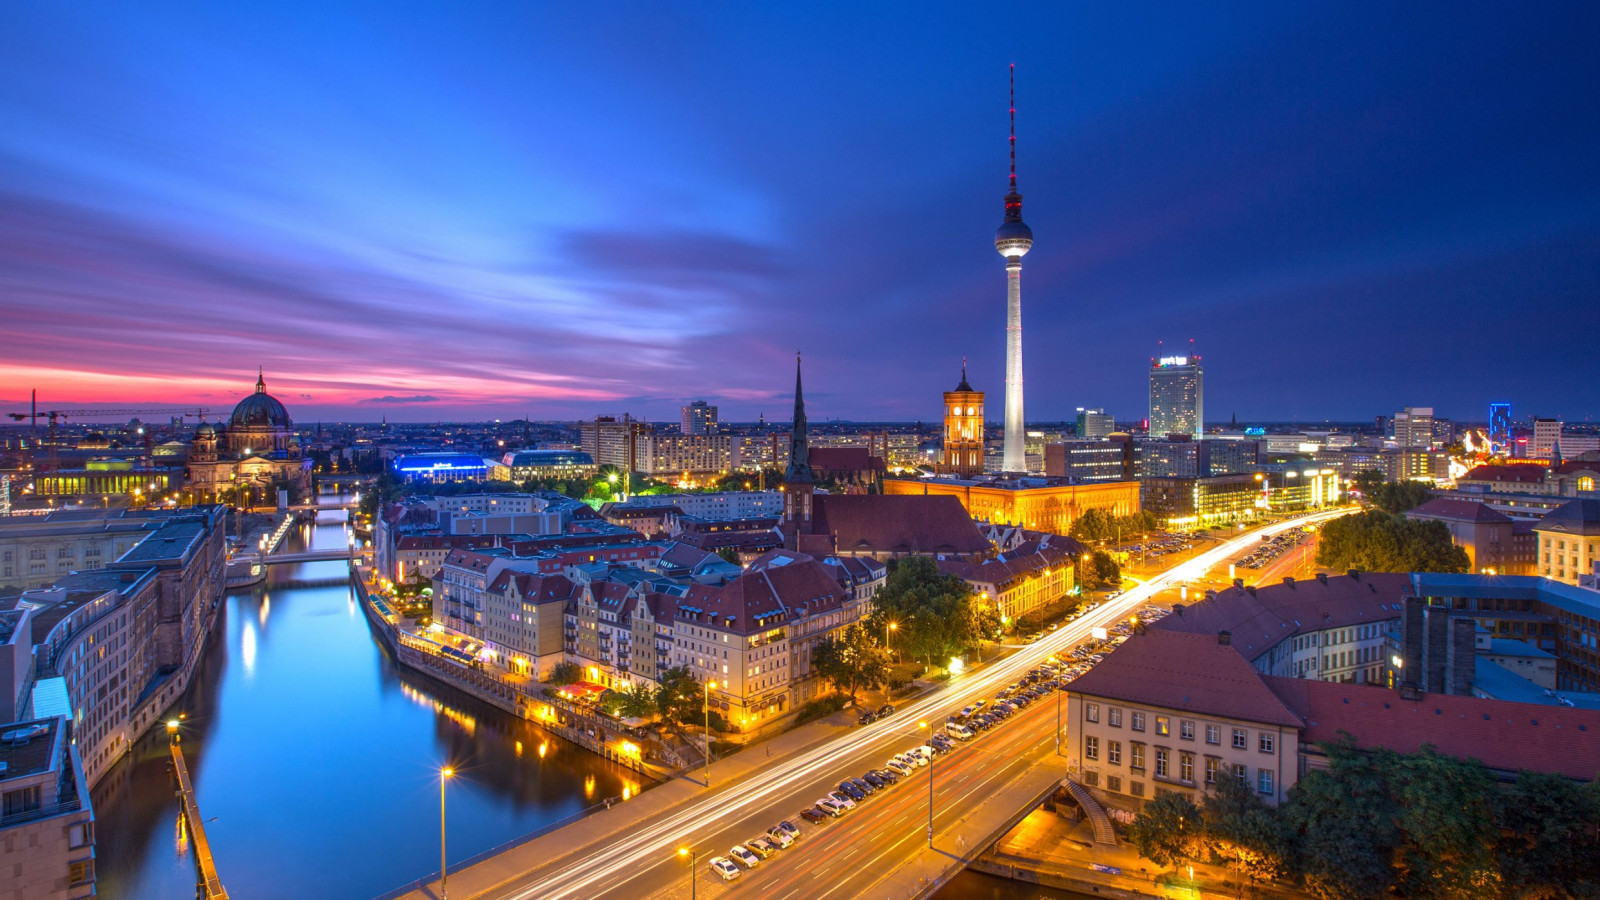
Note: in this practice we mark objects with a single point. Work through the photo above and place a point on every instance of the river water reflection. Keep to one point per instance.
(317, 759)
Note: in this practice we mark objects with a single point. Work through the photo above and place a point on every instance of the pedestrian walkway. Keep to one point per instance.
(210, 882)
(1103, 832)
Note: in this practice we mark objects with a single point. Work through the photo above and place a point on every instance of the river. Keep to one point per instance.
(315, 760)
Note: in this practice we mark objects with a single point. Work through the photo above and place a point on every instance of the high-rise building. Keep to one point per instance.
(1095, 423)
(1013, 240)
(963, 429)
(1546, 432)
(1413, 427)
(699, 417)
(1177, 396)
(609, 441)
(1500, 427)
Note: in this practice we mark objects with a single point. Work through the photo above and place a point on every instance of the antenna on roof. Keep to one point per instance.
(1013, 128)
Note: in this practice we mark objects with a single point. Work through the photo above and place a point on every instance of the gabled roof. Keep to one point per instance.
(1501, 734)
(1515, 473)
(1262, 617)
(1447, 509)
(764, 598)
(896, 523)
(1573, 517)
(1185, 672)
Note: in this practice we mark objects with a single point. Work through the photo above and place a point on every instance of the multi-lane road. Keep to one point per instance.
(845, 857)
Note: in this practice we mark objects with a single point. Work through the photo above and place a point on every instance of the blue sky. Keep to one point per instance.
(451, 210)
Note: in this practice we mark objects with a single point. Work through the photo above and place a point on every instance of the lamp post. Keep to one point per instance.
(444, 775)
(929, 728)
(694, 867)
(887, 628)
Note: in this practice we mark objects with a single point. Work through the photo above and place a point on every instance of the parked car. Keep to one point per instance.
(898, 767)
(842, 798)
(866, 718)
(889, 775)
(762, 847)
(781, 838)
(722, 866)
(885, 710)
(864, 786)
(814, 815)
(851, 791)
(831, 807)
(958, 731)
(877, 780)
(742, 855)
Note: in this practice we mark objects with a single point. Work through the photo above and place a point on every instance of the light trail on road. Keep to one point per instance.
(611, 865)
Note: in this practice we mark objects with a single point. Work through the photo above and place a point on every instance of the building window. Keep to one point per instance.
(1212, 763)
(1161, 762)
(1091, 748)
(1114, 783)
(1091, 712)
(1241, 739)
(1186, 729)
(1213, 734)
(1186, 768)
(1266, 743)
(1136, 721)
(1114, 752)
(1264, 781)
(1092, 779)
(1136, 756)
(1241, 772)
(1114, 716)
(1163, 726)
(21, 800)
(1136, 788)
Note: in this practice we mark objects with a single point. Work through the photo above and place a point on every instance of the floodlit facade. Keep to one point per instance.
(1177, 396)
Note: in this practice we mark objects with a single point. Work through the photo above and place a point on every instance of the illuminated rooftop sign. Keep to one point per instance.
(1174, 361)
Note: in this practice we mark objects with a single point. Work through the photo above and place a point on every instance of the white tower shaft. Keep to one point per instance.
(1015, 458)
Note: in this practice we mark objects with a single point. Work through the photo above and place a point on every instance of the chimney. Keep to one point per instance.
(1252, 590)
(1322, 577)
(1353, 573)
(1289, 580)
(1461, 656)
(1225, 638)
(1178, 608)
(1238, 583)
(1411, 642)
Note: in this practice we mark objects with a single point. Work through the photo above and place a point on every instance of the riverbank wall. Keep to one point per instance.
(592, 733)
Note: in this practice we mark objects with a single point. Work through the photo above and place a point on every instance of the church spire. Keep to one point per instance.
(261, 380)
(799, 445)
(964, 386)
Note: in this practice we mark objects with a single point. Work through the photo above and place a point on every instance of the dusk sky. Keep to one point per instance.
(470, 210)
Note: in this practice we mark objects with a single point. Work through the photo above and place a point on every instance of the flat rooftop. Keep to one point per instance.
(26, 748)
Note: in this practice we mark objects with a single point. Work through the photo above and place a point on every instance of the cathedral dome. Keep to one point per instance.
(260, 410)
(206, 430)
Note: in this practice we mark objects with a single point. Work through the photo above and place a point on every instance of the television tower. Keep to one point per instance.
(1013, 239)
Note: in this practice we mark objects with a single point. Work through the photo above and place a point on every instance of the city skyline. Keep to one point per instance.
(498, 213)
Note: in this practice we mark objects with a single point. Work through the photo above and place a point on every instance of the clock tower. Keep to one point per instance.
(963, 429)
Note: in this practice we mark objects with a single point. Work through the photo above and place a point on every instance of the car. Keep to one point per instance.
(925, 751)
(864, 786)
(789, 828)
(842, 798)
(762, 847)
(980, 704)
(724, 867)
(831, 806)
(890, 775)
(876, 780)
(898, 767)
(782, 839)
(958, 731)
(941, 744)
(885, 709)
(915, 759)
(851, 791)
(966, 712)
(866, 718)
(742, 855)
(814, 815)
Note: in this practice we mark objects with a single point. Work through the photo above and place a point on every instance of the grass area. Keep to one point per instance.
(822, 706)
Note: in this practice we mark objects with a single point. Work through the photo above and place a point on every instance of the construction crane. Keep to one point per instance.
(55, 416)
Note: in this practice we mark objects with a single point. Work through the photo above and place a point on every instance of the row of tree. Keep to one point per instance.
(1376, 541)
(1393, 497)
(935, 616)
(1377, 823)
(1099, 525)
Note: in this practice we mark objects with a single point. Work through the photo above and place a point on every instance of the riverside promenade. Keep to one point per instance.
(210, 883)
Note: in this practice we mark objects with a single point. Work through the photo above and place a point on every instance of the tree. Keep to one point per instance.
(681, 698)
(1547, 843)
(1169, 830)
(1243, 831)
(1093, 525)
(1396, 497)
(729, 554)
(1097, 570)
(638, 702)
(1341, 823)
(1446, 813)
(1376, 541)
(935, 612)
(1367, 481)
(852, 659)
(565, 673)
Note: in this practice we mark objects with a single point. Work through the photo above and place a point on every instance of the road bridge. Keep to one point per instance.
(879, 850)
(304, 556)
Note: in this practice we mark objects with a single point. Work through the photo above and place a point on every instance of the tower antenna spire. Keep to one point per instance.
(1013, 128)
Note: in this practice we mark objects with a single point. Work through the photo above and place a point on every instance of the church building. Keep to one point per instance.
(242, 462)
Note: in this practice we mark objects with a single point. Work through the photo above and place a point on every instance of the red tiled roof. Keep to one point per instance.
(896, 523)
(1517, 473)
(1179, 671)
(1501, 734)
(1260, 618)
(844, 459)
(1022, 562)
(1459, 511)
(763, 598)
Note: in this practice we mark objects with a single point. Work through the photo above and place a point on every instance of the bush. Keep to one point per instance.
(565, 673)
(822, 706)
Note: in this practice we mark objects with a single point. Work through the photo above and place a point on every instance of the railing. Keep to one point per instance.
(43, 812)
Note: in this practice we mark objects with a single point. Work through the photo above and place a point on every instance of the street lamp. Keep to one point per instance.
(694, 867)
(888, 627)
(444, 775)
(929, 729)
(172, 731)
